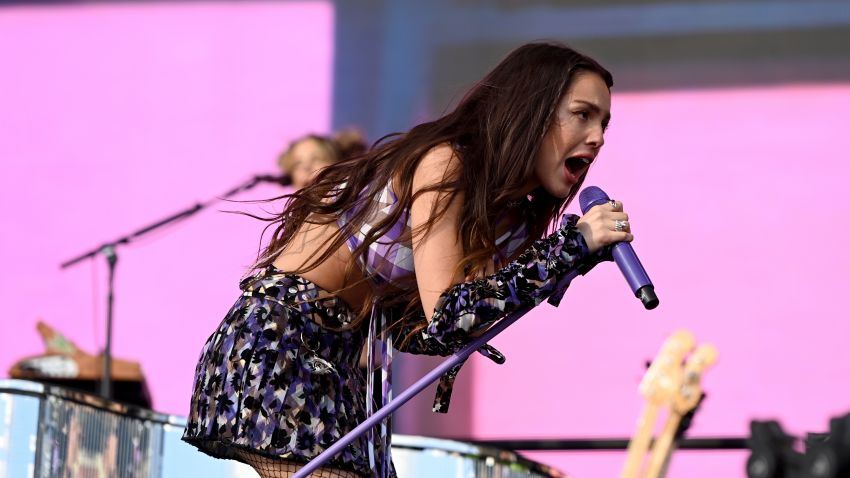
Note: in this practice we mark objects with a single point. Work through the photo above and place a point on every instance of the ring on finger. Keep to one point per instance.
(620, 225)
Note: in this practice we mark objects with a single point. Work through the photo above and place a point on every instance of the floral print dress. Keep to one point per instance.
(280, 379)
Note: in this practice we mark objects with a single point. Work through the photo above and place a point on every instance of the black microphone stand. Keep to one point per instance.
(108, 250)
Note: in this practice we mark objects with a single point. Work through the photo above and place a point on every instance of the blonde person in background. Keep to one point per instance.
(309, 154)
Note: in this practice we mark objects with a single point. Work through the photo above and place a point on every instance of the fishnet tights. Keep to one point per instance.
(275, 468)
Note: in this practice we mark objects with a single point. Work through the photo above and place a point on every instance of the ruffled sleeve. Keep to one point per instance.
(473, 306)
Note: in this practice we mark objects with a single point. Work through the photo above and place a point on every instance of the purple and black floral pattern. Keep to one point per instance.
(468, 307)
(274, 379)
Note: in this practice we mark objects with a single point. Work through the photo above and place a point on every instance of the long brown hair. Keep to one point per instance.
(496, 132)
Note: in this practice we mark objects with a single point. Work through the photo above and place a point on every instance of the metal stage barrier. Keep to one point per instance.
(53, 432)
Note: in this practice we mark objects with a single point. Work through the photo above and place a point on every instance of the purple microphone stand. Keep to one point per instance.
(428, 379)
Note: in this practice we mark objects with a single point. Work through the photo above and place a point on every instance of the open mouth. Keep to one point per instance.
(576, 165)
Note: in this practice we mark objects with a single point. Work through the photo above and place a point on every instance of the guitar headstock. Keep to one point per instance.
(690, 392)
(55, 342)
(664, 376)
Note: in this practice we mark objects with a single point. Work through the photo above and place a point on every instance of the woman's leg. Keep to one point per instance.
(274, 468)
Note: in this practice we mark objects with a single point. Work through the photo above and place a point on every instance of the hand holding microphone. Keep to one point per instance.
(604, 223)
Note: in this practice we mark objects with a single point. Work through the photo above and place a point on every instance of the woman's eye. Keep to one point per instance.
(582, 114)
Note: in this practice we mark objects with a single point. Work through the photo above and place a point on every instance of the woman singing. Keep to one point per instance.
(431, 236)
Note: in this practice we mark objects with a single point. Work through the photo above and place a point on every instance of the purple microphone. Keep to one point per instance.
(624, 254)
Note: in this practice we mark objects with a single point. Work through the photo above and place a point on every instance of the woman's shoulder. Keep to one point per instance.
(443, 153)
(437, 165)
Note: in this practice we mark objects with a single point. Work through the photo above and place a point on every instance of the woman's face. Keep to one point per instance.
(307, 159)
(575, 136)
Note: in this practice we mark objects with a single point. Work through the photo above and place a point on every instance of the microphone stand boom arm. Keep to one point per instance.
(108, 250)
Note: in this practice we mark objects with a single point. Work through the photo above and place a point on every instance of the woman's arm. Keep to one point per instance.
(469, 307)
(437, 253)
(458, 309)
(466, 308)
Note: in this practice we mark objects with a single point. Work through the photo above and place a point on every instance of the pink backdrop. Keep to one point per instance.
(737, 199)
(114, 116)
(117, 115)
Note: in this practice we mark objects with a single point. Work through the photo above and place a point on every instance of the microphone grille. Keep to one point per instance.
(591, 196)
